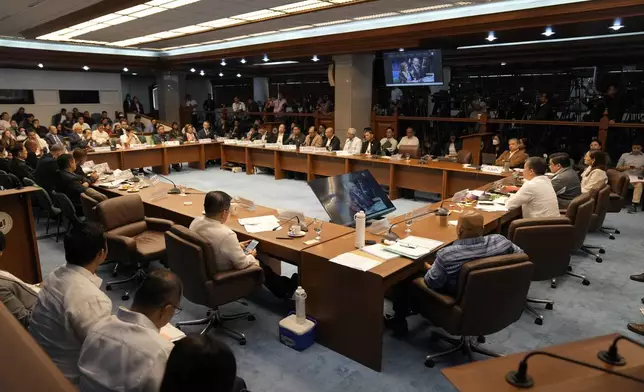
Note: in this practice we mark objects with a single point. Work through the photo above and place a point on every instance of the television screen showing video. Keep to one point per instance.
(417, 68)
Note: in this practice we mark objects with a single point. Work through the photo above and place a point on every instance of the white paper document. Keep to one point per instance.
(258, 224)
(634, 179)
(355, 261)
(379, 251)
(491, 208)
(414, 247)
(171, 333)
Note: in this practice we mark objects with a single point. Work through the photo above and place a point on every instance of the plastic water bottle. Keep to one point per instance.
(361, 223)
(300, 307)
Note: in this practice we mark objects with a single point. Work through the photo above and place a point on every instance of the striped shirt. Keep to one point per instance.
(444, 273)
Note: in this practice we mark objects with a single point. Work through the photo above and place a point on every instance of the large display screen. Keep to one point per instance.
(417, 68)
(344, 195)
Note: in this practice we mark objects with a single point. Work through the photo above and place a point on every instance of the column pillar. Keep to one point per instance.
(260, 89)
(353, 90)
(171, 90)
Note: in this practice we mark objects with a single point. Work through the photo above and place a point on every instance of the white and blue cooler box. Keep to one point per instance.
(297, 336)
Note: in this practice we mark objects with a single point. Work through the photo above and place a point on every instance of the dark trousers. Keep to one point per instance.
(280, 286)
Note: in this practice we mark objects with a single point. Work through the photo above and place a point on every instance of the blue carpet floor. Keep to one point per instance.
(606, 306)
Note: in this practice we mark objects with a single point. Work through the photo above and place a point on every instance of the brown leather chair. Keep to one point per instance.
(132, 238)
(413, 151)
(191, 257)
(88, 205)
(601, 197)
(464, 157)
(551, 260)
(24, 366)
(579, 213)
(490, 296)
(619, 184)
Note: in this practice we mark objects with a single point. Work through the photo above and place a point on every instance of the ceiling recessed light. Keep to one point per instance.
(278, 63)
(202, 73)
(617, 25)
(315, 58)
(548, 32)
(239, 75)
(223, 62)
(40, 65)
(401, 49)
(491, 37)
(503, 64)
(125, 69)
(265, 59)
(192, 70)
(85, 67)
(221, 75)
(243, 61)
(134, 73)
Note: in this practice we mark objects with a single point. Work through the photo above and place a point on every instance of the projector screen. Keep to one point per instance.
(417, 68)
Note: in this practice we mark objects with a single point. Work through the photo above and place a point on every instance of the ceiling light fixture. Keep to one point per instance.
(85, 67)
(221, 75)
(548, 32)
(377, 16)
(258, 15)
(239, 75)
(503, 64)
(243, 61)
(279, 63)
(401, 49)
(315, 58)
(134, 73)
(202, 73)
(423, 9)
(223, 62)
(555, 40)
(265, 59)
(125, 69)
(617, 25)
(40, 65)
(192, 70)
(491, 37)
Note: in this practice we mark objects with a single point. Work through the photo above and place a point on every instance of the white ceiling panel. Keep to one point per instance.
(19, 15)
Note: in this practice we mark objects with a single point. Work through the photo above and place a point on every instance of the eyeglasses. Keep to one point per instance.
(177, 309)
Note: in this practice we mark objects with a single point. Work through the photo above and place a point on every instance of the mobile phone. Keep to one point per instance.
(253, 244)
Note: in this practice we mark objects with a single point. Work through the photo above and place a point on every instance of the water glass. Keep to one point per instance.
(407, 157)
(408, 222)
(318, 232)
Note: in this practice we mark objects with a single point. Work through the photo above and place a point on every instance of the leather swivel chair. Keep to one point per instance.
(619, 184)
(191, 257)
(490, 296)
(68, 211)
(132, 238)
(88, 204)
(547, 242)
(464, 157)
(579, 213)
(601, 197)
(47, 205)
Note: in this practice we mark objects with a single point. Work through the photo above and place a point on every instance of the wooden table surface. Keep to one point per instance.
(554, 375)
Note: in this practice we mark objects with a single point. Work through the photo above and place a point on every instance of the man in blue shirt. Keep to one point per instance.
(443, 274)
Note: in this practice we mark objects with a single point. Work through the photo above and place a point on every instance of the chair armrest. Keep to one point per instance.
(432, 297)
(534, 222)
(120, 246)
(237, 274)
(157, 224)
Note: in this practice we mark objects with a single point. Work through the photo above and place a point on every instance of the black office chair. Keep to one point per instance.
(9, 181)
(68, 211)
(46, 204)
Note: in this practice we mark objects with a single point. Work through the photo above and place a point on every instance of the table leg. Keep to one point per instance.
(393, 189)
(279, 173)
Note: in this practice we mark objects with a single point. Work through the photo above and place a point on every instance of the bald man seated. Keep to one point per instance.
(442, 275)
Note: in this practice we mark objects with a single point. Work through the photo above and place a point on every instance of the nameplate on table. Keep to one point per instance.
(102, 149)
(172, 143)
(307, 150)
(243, 142)
(288, 147)
(343, 153)
(138, 146)
(205, 141)
(272, 145)
(230, 141)
(258, 142)
(492, 169)
(220, 139)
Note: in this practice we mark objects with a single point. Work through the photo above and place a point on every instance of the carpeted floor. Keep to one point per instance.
(606, 306)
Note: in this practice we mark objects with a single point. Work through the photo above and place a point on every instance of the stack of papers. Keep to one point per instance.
(355, 261)
(414, 247)
(491, 208)
(258, 224)
(379, 251)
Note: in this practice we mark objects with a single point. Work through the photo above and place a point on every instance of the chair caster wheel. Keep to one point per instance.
(108, 288)
(617, 232)
(549, 306)
(585, 282)
(569, 269)
(538, 321)
(612, 237)
(602, 250)
(430, 363)
(553, 285)
(251, 317)
(125, 297)
(242, 342)
(598, 259)
(481, 339)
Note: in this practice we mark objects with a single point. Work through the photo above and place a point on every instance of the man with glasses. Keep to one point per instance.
(125, 352)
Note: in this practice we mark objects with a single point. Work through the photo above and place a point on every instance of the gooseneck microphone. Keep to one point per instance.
(521, 379)
(611, 356)
(172, 191)
(391, 236)
(303, 225)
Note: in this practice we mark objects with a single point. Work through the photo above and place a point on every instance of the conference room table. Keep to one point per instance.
(444, 178)
(554, 375)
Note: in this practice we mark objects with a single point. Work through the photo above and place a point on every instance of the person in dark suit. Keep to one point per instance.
(453, 146)
(544, 109)
(18, 166)
(68, 182)
(206, 132)
(47, 169)
(59, 117)
(80, 157)
(330, 141)
(127, 103)
(370, 145)
(32, 158)
(53, 137)
(296, 138)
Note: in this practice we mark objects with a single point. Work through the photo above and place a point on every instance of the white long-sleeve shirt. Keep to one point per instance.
(392, 141)
(124, 352)
(537, 199)
(354, 146)
(409, 141)
(69, 304)
(224, 243)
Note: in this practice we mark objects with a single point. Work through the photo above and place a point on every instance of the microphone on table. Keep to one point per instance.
(172, 191)
(521, 379)
(303, 225)
(611, 356)
(391, 236)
